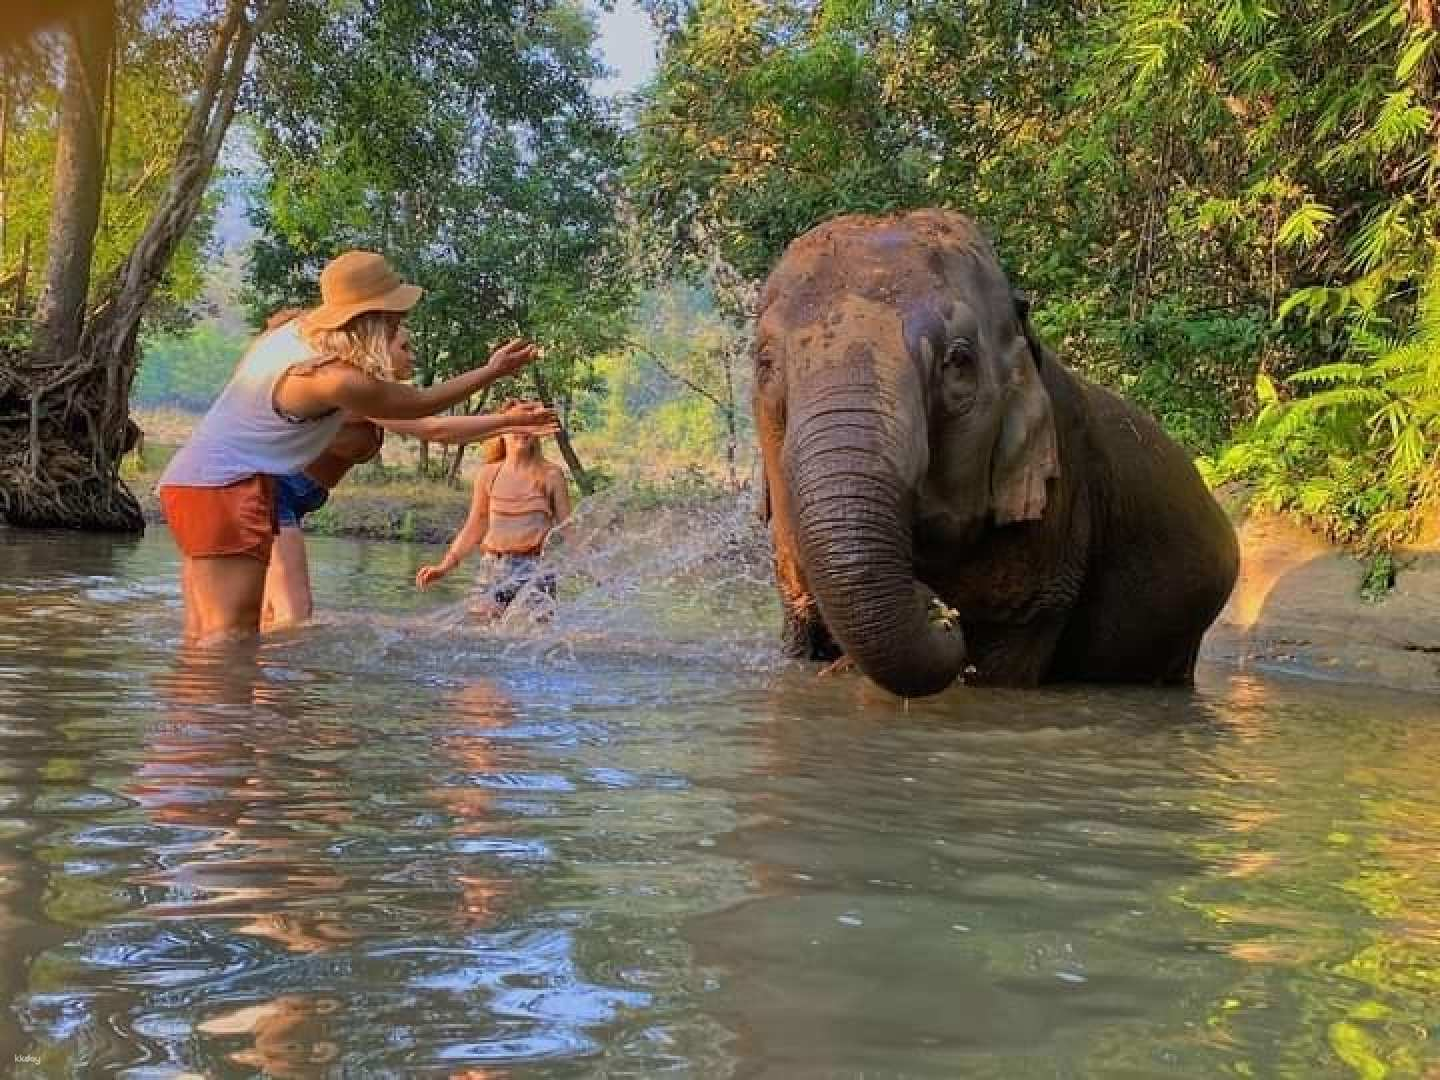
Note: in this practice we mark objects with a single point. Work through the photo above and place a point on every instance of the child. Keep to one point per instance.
(519, 497)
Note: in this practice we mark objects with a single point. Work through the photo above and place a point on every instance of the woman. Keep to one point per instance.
(288, 597)
(281, 409)
(519, 497)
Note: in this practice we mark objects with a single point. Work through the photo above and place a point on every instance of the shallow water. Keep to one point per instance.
(632, 842)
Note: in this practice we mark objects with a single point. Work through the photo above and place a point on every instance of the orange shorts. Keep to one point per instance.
(237, 519)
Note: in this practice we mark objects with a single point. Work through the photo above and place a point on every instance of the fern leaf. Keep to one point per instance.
(1327, 373)
(1304, 228)
(1415, 53)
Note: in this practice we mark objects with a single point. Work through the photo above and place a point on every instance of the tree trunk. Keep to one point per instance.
(22, 278)
(572, 459)
(562, 439)
(64, 418)
(453, 476)
(476, 406)
(75, 208)
(108, 139)
(732, 440)
(732, 435)
(4, 176)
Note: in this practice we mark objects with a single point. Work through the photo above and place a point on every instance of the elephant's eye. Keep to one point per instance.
(960, 353)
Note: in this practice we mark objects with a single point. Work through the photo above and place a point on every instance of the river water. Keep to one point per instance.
(633, 842)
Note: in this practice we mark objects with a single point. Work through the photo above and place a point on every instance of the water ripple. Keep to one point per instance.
(634, 840)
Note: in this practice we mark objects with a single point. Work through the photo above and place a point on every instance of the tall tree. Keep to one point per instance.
(64, 418)
(75, 213)
(159, 54)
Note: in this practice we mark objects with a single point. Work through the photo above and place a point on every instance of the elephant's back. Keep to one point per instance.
(1150, 480)
(1164, 555)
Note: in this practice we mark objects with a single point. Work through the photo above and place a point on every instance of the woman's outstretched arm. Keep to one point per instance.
(342, 386)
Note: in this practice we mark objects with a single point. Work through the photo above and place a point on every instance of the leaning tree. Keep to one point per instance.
(64, 403)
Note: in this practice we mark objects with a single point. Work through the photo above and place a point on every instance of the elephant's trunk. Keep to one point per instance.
(853, 509)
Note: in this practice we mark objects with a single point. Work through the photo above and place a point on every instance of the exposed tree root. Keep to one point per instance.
(62, 436)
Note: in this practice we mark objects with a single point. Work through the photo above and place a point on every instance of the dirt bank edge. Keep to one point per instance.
(1297, 609)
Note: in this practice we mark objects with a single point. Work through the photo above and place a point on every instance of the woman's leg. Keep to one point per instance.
(187, 597)
(223, 597)
(288, 599)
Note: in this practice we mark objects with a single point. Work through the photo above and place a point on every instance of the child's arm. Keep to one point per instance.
(470, 534)
(534, 420)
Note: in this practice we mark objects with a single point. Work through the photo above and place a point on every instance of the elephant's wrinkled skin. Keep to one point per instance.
(919, 443)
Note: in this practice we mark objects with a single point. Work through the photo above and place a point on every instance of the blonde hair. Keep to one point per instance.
(363, 342)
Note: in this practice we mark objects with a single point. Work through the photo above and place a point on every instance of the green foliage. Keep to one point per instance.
(461, 139)
(769, 118)
(686, 485)
(161, 50)
(1185, 366)
(676, 396)
(187, 370)
(1379, 577)
(1355, 451)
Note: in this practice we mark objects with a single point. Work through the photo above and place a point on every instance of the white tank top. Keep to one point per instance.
(243, 434)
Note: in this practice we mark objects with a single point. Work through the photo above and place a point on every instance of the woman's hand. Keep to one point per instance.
(511, 357)
(428, 575)
(530, 418)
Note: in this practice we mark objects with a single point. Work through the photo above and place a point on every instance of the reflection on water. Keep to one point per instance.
(632, 841)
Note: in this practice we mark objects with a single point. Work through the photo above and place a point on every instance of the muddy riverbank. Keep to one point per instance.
(1299, 608)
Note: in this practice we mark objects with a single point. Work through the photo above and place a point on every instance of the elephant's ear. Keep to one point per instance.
(1026, 455)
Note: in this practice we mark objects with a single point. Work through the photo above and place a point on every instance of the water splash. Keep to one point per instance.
(683, 580)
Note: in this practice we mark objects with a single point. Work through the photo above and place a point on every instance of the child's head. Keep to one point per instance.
(280, 316)
(498, 449)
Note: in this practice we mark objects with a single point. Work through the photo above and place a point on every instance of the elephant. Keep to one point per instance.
(945, 498)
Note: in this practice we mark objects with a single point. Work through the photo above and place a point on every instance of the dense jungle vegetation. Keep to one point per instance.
(1227, 212)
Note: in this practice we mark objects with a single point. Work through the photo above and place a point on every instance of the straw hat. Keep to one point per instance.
(357, 282)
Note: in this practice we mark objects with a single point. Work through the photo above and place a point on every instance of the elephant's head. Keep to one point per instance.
(897, 372)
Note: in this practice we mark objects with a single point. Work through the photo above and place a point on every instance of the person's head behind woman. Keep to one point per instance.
(280, 316)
